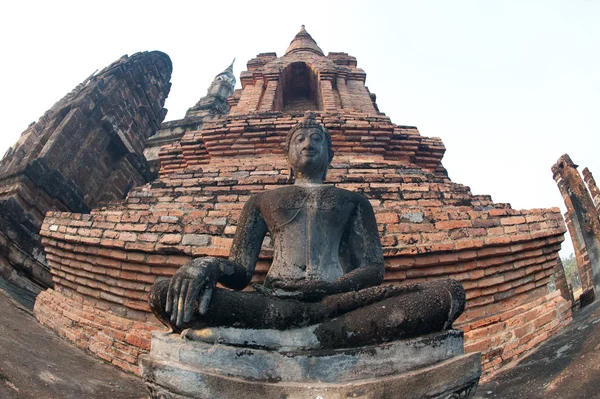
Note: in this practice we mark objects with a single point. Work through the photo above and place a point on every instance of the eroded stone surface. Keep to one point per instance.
(299, 363)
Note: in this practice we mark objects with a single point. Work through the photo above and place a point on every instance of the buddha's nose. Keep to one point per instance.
(309, 145)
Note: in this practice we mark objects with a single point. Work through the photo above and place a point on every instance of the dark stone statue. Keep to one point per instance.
(326, 270)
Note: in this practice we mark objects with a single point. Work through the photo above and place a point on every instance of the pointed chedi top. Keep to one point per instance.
(230, 67)
(227, 74)
(304, 42)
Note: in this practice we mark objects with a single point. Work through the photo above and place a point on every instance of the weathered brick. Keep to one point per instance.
(196, 239)
(170, 239)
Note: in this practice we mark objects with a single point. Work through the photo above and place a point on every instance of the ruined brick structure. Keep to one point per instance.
(104, 263)
(210, 106)
(582, 221)
(85, 150)
(590, 182)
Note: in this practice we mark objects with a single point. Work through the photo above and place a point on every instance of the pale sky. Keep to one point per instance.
(509, 86)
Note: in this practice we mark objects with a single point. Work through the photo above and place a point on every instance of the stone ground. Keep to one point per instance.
(36, 363)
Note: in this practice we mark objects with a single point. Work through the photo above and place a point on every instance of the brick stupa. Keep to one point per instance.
(104, 263)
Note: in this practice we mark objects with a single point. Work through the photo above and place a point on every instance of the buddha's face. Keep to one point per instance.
(308, 153)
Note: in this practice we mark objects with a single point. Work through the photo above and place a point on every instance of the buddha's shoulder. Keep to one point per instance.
(271, 197)
(294, 190)
(341, 194)
(325, 192)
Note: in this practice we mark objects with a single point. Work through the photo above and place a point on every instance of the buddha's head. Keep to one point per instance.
(308, 149)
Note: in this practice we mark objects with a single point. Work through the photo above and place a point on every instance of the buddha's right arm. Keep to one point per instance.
(236, 272)
(196, 280)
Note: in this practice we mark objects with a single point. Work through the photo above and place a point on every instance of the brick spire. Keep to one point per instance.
(304, 42)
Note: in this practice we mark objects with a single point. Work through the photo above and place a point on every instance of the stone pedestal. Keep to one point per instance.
(432, 366)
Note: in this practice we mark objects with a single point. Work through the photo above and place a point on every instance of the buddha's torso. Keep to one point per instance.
(307, 224)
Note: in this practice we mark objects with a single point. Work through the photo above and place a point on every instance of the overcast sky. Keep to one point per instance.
(508, 85)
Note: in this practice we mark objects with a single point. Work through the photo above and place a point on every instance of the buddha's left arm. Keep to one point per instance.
(364, 251)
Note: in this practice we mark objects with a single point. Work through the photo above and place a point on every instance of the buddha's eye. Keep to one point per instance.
(300, 138)
(316, 137)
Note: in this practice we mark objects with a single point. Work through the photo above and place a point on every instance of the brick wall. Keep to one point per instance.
(261, 134)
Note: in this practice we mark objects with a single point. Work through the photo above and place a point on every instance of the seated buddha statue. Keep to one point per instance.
(326, 271)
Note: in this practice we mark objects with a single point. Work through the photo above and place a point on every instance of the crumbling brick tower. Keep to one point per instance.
(582, 221)
(590, 182)
(430, 227)
(86, 150)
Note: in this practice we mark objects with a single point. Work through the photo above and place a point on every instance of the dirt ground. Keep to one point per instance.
(566, 366)
(36, 363)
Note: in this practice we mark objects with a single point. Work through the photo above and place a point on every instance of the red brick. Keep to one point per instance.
(452, 224)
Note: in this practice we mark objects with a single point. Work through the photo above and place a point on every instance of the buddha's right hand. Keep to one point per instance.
(193, 282)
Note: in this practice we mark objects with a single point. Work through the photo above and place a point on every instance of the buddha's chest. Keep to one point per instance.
(320, 210)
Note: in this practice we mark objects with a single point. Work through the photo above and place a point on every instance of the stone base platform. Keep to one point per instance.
(432, 366)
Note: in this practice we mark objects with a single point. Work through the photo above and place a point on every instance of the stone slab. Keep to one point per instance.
(432, 366)
(339, 365)
(453, 378)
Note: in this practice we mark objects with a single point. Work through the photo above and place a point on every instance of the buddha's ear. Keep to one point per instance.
(290, 179)
(328, 163)
(325, 173)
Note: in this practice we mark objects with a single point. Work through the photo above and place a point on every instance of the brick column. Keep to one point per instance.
(327, 95)
(344, 94)
(268, 98)
(591, 184)
(249, 97)
(361, 99)
(256, 95)
(582, 221)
